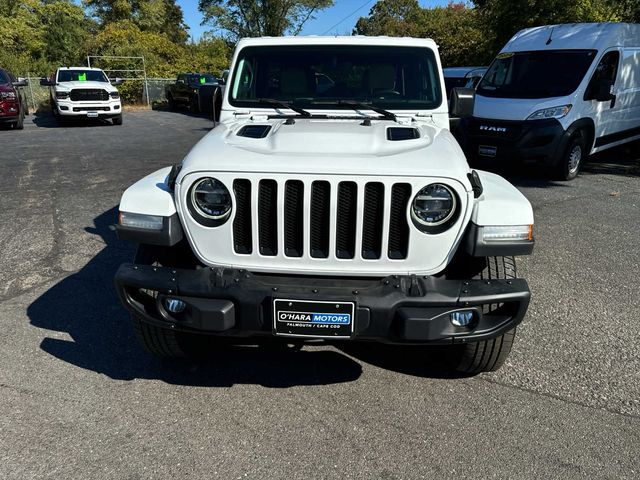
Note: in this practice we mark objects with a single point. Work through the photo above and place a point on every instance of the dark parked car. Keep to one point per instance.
(467, 77)
(195, 90)
(13, 102)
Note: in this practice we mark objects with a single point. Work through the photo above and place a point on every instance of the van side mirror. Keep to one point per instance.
(600, 92)
(461, 102)
(22, 82)
(45, 82)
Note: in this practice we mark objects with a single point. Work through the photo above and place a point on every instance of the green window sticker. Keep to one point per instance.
(82, 77)
(203, 80)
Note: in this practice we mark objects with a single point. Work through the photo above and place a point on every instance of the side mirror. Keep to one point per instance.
(603, 92)
(461, 102)
(22, 82)
(217, 104)
(225, 75)
(180, 81)
(45, 82)
(117, 81)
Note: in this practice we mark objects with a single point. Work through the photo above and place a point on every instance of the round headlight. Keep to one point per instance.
(434, 205)
(210, 201)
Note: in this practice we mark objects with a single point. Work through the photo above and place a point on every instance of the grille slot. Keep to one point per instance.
(346, 220)
(319, 219)
(88, 94)
(242, 239)
(268, 217)
(293, 218)
(373, 212)
(398, 226)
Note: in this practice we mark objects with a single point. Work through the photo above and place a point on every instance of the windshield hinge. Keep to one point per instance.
(242, 113)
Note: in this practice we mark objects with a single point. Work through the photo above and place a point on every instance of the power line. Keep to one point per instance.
(350, 15)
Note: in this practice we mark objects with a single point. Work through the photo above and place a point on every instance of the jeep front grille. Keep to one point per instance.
(88, 95)
(316, 215)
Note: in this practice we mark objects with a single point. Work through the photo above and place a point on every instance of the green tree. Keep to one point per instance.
(506, 17)
(256, 18)
(456, 28)
(157, 16)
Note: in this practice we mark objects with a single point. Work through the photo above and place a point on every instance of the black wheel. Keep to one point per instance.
(117, 120)
(572, 159)
(159, 341)
(486, 355)
(19, 125)
(194, 104)
(171, 102)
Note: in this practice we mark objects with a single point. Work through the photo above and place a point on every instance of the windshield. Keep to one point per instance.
(82, 76)
(321, 76)
(536, 74)
(202, 79)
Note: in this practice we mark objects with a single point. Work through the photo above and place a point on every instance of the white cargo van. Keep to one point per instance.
(556, 94)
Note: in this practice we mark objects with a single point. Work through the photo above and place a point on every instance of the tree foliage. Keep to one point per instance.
(255, 18)
(456, 28)
(470, 33)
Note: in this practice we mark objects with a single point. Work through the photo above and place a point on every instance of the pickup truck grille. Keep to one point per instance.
(329, 212)
(88, 94)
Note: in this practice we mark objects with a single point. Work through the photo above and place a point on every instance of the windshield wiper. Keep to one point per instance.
(283, 104)
(361, 105)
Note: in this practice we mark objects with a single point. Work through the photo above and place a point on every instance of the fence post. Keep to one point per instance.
(146, 84)
(33, 100)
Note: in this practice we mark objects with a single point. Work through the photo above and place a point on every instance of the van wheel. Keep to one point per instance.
(572, 158)
(159, 341)
(487, 355)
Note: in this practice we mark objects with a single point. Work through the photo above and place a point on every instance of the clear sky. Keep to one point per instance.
(339, 19)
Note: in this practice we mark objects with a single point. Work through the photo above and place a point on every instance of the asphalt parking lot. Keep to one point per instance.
(79, 399)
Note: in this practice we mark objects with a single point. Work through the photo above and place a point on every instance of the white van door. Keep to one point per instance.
(601, 100)
(627, 93)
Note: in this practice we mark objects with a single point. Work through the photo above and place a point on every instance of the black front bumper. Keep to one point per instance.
(396, 309)
(529, 142)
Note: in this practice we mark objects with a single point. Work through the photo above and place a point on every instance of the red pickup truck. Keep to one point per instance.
(13, 103)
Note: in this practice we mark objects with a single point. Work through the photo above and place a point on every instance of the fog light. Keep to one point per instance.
(464, 318)
(139, 220)
(174, 305)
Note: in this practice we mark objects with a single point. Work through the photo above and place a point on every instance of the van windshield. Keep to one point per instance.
(536, 74)
(323, 76)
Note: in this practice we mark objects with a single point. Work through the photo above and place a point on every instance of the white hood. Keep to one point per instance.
(329, 146)
(76, 84)
(514, 108)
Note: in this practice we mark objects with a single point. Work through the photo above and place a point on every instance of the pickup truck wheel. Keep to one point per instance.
(171, 102)
(194, 107)
(487, 355)
(117, 120)
(572, 158)
(165, 342)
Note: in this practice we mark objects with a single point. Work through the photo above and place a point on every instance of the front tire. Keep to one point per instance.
(117, 120)
(19, 125)
(572, 159)
(165, 342)
(486, 355)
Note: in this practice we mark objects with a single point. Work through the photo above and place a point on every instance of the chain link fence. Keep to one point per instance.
(132, 92)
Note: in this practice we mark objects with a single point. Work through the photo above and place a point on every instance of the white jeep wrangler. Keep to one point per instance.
(331, 202)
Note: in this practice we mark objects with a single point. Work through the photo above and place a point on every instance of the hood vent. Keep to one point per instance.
(254, 131)
(396, 134)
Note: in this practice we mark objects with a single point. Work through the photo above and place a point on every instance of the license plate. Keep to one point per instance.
(487, 151)
(302, 318)
(92, 114)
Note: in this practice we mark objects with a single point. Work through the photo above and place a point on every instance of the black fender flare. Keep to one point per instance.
(585, 125)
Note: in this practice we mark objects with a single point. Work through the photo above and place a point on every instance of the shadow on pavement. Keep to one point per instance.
(84, 306)
(623, 160)
(47, 120)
